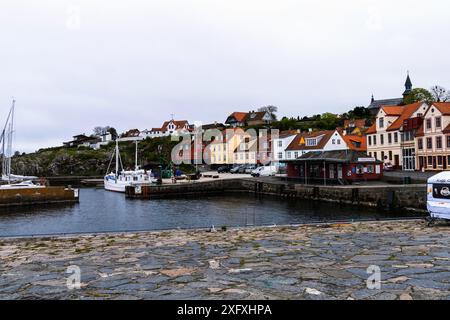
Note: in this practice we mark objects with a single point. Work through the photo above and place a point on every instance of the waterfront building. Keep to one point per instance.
(251, 118)
(375, 105)
(335, 167)
(131, 135)
(168, 128)
(315, 141)
(432, 141)
(254, 151)
(280, 144)
(384, 136)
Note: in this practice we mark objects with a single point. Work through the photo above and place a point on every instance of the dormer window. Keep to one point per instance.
(311, 142)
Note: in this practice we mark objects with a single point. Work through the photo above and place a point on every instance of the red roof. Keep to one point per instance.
(239, 116)
(443, 107)
(372, 129)
(408, 111)
(356, 143)
(299, 142)
(392, 110)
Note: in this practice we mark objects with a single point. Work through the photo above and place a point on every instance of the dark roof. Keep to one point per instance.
(299, 142)
(376, 104)
(342, 156)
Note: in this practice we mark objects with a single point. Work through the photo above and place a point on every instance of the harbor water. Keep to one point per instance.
(102, 211)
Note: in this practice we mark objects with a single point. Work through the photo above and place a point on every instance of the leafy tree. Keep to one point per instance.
(328, 121)
(419, 95)
(440, 94)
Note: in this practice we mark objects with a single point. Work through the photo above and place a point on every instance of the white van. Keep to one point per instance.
(438, 196)
(266, 171)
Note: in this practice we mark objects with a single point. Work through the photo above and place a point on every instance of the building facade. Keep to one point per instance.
(432, 141)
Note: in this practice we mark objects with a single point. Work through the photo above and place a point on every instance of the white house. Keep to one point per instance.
(315, 141)
(280, 144)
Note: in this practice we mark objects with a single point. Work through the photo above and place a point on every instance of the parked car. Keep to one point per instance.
(224, 169)
(388, 167)
(266, 171)
(235, 169)
(249, 168)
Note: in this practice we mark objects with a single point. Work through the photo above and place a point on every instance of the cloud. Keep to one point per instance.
(73, 65)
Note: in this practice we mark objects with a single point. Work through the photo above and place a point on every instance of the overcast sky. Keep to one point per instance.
(73, 65)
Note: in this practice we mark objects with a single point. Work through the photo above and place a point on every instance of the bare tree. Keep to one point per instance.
(440, 94)
(270, 109)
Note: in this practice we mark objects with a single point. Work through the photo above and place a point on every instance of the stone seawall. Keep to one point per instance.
(22, 197)
(384, 196)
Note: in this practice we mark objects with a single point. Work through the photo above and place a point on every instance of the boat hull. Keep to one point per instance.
(116, 185)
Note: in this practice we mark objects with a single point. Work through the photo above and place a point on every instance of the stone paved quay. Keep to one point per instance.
(305, 262)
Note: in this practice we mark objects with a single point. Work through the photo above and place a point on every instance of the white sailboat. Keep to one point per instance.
(6, 139)
(118, 181)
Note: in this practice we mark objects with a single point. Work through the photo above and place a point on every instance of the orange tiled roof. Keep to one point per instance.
(408, 111)
(239, 116)
(372, 129)
(443, 107)
(297, 145)
(392, 110)
(353, 142)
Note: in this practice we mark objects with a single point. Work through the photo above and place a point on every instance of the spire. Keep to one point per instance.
(408, 86)
(373, 99)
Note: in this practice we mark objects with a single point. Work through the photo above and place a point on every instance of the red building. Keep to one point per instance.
(333, 167)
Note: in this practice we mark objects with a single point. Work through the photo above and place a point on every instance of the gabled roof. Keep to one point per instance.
(443, 107)
(392, 110)
(356, 143)
(178, 124)
(257, 116)
(299, 142)
(239, 116)
(407, 112)
(376, 104)
(372, 129)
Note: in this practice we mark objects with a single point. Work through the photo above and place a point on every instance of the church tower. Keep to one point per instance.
(408, 86)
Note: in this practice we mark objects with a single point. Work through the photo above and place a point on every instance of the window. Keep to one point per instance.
(333, 141)
(381, 139)
(420, 143)
(389, 138)
(280, 143)
(370, 140)
(430, 161)
(429, 143)
(382, 156)
(438, 142)
(370, 169)
(375, 155)
(280, 155)
(311, 142)
(439, 161)
(381, 122)
(374, 140)
(295, 155)
(288, 155)
(338, 141)
(438, 122)
(428, 124)
(390, 155)
(448, 141)
(395, 137)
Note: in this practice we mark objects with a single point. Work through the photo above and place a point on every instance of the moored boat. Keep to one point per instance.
(438, 196)
(119, 179)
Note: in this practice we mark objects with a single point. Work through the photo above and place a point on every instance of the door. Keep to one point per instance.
(331, 168)
(396, 160)
(339, 171)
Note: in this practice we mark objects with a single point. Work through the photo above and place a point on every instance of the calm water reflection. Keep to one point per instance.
(101, 211)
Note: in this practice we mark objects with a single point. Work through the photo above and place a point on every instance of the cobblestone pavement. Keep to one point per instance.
(306, 262)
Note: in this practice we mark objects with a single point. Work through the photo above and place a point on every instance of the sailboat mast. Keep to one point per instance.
(117, 157)
(10, 140)
(136, 157)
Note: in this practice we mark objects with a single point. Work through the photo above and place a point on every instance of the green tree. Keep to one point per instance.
(328, 121)
(419, 95)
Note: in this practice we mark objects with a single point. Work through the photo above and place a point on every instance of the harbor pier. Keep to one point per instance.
(382, 196)
(38, 196)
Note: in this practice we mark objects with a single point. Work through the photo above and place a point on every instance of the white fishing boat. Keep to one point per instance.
(118, 180)
(9, 180)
